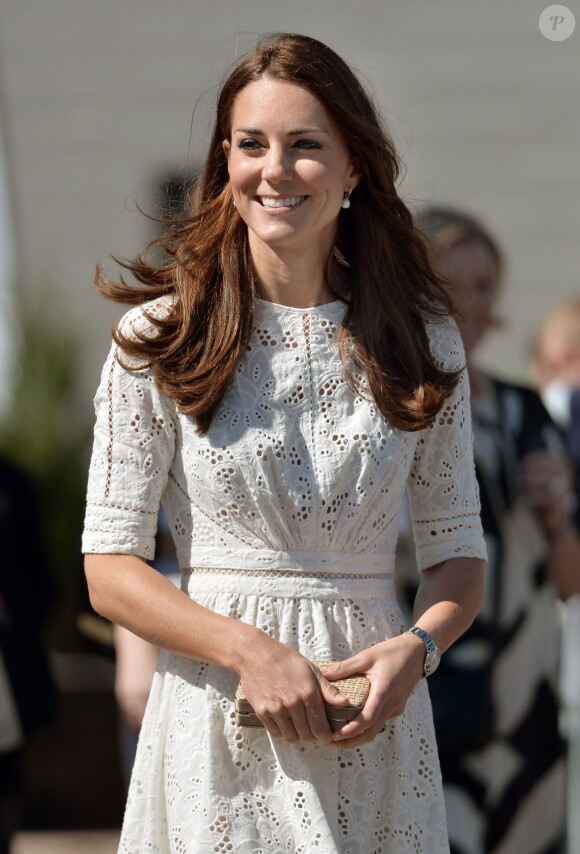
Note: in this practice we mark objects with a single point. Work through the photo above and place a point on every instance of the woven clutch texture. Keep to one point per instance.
(354, 688)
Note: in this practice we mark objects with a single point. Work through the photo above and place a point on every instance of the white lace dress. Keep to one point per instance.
(285, 516)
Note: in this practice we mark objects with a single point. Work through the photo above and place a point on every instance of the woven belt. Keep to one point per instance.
(285, 573)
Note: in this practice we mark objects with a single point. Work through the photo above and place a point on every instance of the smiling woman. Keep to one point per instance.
(282, 380)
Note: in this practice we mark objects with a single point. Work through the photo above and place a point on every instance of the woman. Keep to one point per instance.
(294, 370)
(506, 793)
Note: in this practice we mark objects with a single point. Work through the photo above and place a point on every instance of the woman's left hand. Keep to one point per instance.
(393, 668)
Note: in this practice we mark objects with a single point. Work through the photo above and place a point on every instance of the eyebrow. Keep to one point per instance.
(297, 132)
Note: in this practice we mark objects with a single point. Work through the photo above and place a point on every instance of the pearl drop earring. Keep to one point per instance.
(346, 200)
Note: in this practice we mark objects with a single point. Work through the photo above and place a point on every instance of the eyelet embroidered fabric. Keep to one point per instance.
(285, 516)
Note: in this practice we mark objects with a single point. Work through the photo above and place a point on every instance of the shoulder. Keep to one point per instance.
(445, 342)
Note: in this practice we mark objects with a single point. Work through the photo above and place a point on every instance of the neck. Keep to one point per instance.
(293, 278)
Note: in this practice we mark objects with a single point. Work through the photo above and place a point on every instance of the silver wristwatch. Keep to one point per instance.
(433, 656)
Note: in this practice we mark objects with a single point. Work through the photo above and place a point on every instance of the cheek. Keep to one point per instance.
(241, 172)
(319, 176)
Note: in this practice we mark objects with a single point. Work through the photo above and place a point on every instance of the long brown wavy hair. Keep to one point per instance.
(194, 347)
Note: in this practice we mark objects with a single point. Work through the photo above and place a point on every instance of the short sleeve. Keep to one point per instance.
(133, 449)
(443, 491)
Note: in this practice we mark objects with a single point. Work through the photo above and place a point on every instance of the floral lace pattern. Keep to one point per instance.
(301, 475)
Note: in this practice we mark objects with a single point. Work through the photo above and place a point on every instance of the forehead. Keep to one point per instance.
(560, 333)
(278, 102)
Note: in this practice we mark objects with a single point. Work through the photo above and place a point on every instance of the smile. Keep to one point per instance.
(280, 202)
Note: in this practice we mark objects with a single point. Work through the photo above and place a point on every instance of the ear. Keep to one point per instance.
(227, 148)
(354, 176)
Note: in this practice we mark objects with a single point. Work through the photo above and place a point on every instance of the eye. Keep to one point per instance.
(307, 144)
(249, 144)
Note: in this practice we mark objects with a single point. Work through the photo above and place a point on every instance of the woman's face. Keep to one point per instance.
(289, 167)
(473, 275)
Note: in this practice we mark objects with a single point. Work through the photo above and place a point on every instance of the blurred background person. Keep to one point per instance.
(495, 696)
(556, 368)
(135, 664)
(26, 595)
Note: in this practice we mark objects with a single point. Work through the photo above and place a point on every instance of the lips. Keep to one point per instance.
(280, 201)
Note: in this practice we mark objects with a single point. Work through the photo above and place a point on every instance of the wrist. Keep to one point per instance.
(246, 647)
(431, 652)
(238, 645)
(417, 653)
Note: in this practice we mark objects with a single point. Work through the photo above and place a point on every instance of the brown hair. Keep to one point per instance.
(196, 345)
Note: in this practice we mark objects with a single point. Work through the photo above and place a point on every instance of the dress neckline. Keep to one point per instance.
(326, 308)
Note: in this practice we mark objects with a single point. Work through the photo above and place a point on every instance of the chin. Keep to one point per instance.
(280, 240)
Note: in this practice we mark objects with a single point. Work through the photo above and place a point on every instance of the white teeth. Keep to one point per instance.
(288, 202)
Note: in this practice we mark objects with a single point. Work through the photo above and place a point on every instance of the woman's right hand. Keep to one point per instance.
(288, 692)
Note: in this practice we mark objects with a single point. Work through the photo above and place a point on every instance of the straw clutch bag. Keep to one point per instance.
(354, 688)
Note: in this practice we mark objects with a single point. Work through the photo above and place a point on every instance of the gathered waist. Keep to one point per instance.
(212, 557)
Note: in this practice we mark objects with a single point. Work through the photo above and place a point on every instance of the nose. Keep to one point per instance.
(278, 165)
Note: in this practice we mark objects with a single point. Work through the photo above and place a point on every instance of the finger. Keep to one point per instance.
(281, 727)
(318, 722)
(309, 716)
(359, 728)
(378, 707)
(352, 729)
(371, 714)
(330, 693)
(363, 738)
(342, 669)
(302, 724)
(362, 729)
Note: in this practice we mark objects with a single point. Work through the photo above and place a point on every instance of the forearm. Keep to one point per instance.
(449, 596)
(127, 591)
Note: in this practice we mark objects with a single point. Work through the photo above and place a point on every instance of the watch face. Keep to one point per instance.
(432, 661)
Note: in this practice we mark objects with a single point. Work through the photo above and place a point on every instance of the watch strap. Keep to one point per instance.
(433, 655)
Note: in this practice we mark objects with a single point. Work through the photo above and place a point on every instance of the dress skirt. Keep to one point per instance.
(202, 784)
